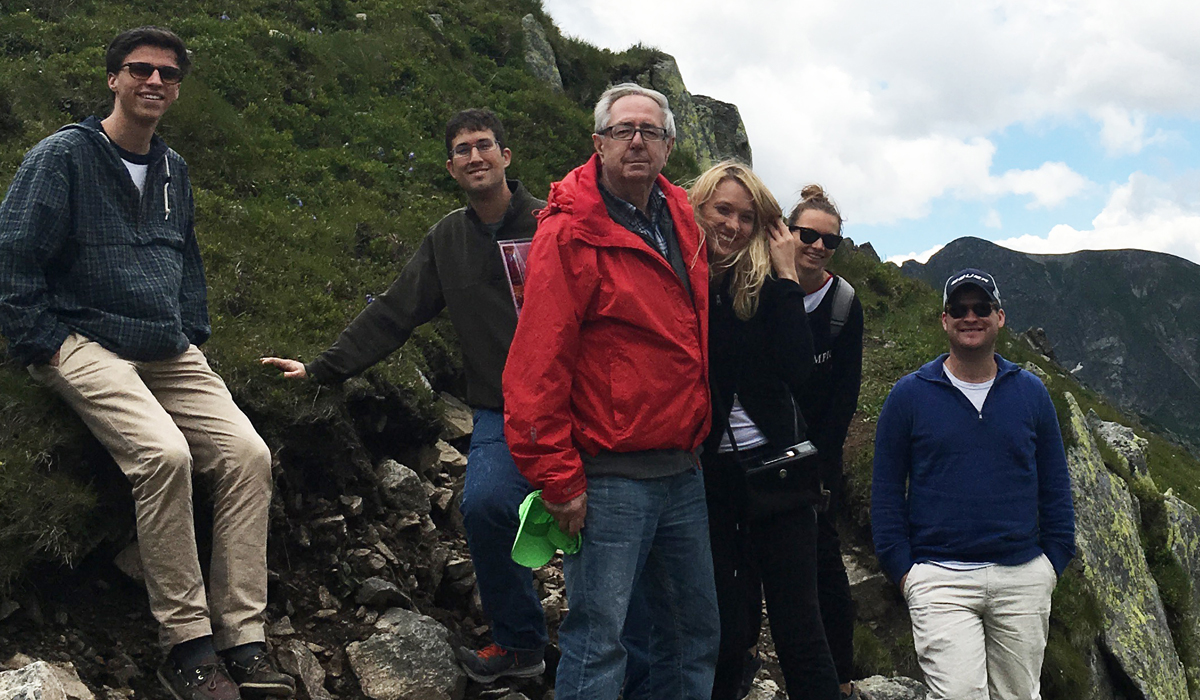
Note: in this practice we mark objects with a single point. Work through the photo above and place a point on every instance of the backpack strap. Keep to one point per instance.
(843, 298)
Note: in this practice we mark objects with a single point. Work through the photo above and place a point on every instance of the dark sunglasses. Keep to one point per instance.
(810, 236)
(982, 309)
(142, 71)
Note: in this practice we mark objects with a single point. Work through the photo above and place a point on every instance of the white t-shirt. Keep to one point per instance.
(812, 301)
(137, 171)
(744, 430)
(975, 393)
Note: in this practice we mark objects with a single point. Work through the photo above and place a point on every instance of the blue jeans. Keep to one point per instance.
(653, 533)
(491, 497)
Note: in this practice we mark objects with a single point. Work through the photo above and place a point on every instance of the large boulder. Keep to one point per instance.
(1183, 541)
(401, 488)
(409, 659)
(539, 55)
(898, 688)
(1135, 632)
(707, 129)
(42, 681)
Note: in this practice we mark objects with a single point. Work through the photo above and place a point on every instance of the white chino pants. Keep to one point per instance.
(981, 634)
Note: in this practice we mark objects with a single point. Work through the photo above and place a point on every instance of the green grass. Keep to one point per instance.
(315, 146)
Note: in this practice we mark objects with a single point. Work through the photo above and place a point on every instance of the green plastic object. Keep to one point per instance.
(538, 536)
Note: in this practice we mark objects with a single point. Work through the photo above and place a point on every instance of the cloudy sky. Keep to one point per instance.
(1042, 125)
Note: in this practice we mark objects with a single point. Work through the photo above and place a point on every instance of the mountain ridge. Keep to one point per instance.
(1124, 322)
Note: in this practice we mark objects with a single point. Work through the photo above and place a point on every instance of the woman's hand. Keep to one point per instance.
(784, 244)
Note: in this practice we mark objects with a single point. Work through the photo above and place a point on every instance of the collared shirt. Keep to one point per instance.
(657, 229)
(650, 228)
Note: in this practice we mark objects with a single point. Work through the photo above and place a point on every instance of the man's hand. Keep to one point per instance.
(54, 360)
(569, 515)
(292, 369)
(902, 580)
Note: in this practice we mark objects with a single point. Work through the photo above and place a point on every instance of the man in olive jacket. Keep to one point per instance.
(459, 267)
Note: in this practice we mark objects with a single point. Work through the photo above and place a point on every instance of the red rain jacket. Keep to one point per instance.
(610, 353)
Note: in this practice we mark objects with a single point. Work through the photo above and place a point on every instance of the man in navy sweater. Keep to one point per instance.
(971, 505)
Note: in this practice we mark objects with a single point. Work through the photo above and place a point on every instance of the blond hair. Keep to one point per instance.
(749, 266)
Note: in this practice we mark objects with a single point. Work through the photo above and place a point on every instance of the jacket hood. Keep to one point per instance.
(578, 195)
(92, 127)
(934, 371)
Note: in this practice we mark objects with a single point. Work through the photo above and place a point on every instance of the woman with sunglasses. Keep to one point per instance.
(828, 401)
(760, 349)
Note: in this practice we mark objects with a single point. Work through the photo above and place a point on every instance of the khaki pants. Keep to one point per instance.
(981, 634)
(162, 421)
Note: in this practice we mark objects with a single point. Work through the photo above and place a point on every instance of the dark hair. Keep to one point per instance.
(474, 120)
(814, 197)
(126, 42)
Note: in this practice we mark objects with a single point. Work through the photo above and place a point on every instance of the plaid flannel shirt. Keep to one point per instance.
(82, 250)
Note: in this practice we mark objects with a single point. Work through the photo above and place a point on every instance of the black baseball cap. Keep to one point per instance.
(979, 278)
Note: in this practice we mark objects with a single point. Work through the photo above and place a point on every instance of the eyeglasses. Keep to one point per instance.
(463, 150)
(142, 71)
(982, 309)
(625, 132)
(810, 236)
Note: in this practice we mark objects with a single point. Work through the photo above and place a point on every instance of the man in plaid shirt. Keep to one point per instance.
(102, 297)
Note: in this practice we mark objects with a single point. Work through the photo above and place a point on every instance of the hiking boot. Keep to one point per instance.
(494, 661)
(258, 677)
(207, 681)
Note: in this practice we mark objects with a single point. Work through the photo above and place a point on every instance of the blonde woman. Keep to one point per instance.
(763, 532)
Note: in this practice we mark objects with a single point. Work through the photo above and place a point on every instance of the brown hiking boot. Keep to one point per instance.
(208, 681)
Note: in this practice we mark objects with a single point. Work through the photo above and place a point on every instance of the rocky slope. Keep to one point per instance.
(1126, 322)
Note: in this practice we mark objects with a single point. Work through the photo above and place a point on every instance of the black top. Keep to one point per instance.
(829, 395)
(764, 360)
(458, 267)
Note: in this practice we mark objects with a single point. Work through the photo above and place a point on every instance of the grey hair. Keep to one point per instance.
(603, 110)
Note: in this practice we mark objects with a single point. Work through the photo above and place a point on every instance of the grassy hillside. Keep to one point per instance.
(314, 134)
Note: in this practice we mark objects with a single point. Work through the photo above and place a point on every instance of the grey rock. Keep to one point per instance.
(1036, 371)
(1135, 632)
(721, 124)
(1183, 541)
(1038, 340)
(298, 660)
(459, 568)
(539, 56)
(898, 688)
(381, 593)
(129, 562)
(402, 489)
(43, 681)
(872, 592)
(281, 627)
(437, 21)
(707, 129)
(765, 689)
(327, 599)
(411, 659)
(1130, 448)
(353, 505)
(457, 418)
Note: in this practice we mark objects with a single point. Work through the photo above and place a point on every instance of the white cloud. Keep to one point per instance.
(1144, 213)
(1123, 132)
(1049, 185)
(919, 257)
(895, 105)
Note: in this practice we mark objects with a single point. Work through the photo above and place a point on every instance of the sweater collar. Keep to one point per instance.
(934, 370)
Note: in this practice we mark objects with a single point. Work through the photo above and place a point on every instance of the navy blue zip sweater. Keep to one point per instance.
(982, 486)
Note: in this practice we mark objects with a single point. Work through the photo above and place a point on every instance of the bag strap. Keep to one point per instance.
(843, 298)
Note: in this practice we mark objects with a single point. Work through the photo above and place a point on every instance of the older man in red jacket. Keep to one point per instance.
(606, 402)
